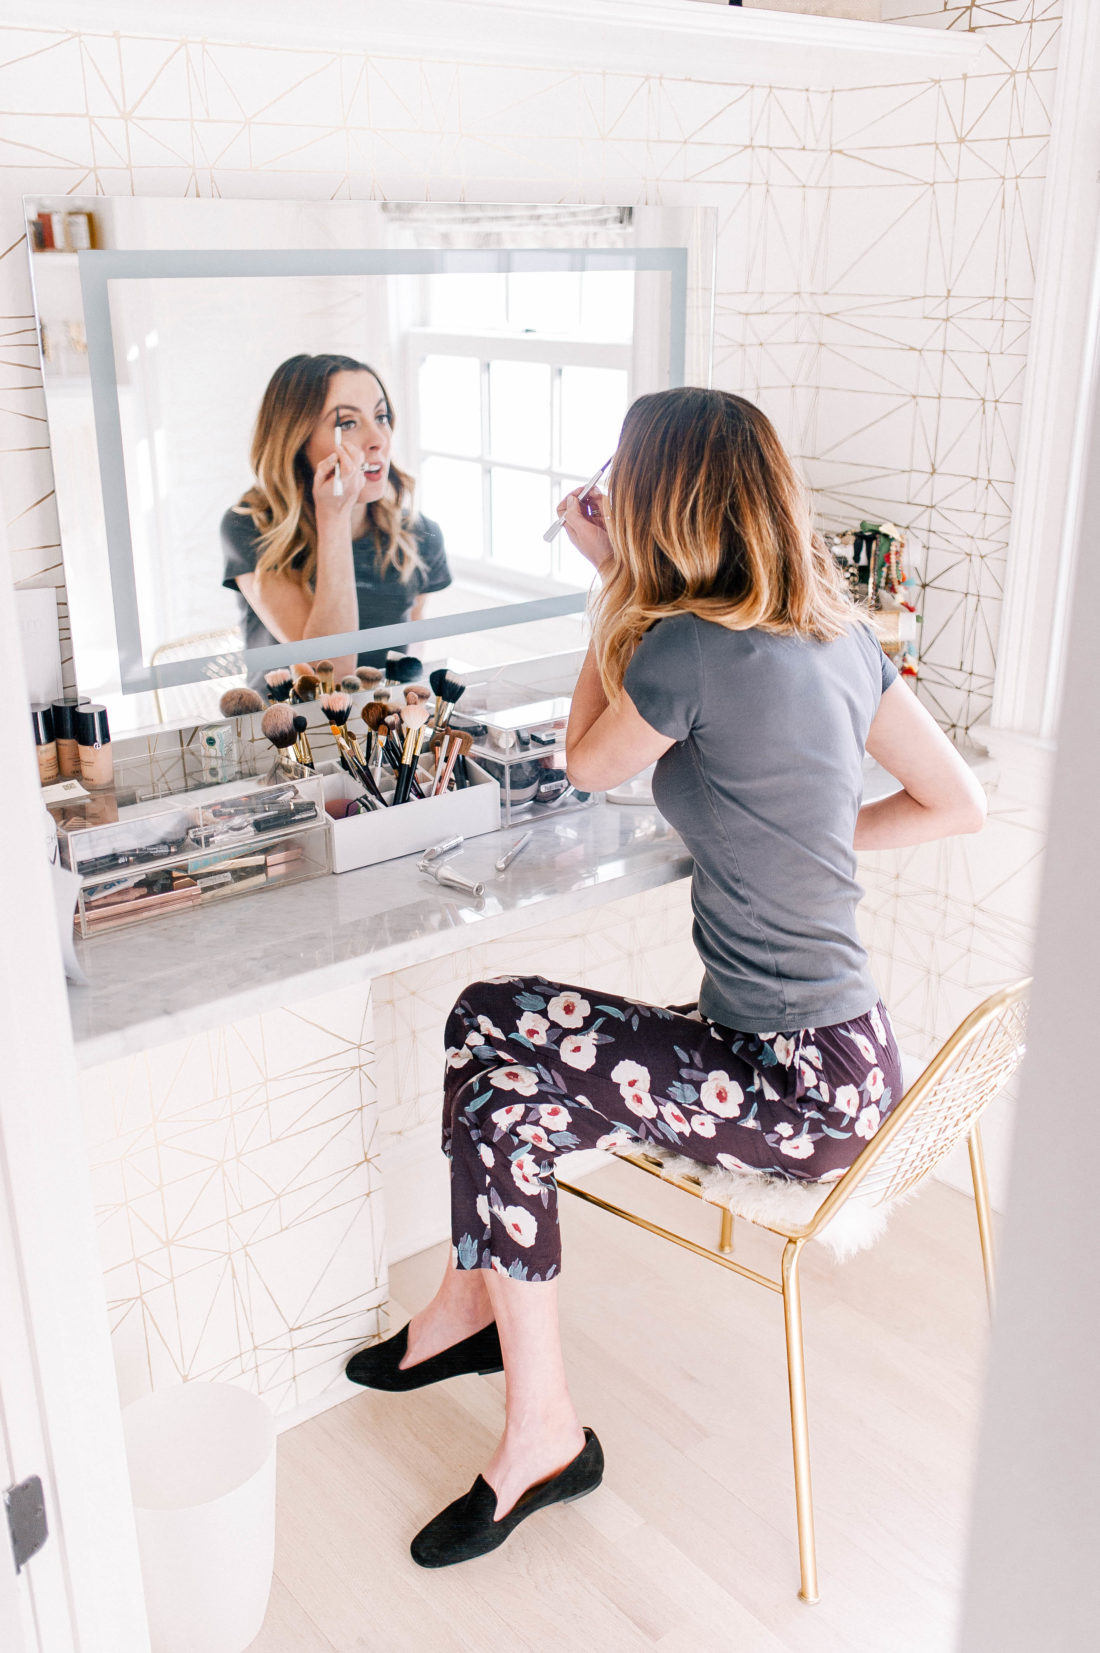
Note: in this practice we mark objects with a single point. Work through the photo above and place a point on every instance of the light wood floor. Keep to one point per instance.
(689, 1545)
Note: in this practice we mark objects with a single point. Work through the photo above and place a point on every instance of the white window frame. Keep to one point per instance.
(486, 347)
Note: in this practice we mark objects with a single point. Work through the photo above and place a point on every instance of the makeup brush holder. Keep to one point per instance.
(387, 834)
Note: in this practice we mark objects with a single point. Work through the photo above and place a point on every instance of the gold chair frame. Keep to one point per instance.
(936, 1112)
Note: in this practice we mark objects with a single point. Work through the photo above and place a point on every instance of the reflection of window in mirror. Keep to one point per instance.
(517, 386)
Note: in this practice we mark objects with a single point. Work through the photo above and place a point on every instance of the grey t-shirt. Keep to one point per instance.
(384, 598)
(764, 785)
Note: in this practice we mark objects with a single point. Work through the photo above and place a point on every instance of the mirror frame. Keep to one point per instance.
(98, 268)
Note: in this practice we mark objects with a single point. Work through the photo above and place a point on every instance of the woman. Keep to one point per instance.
(726, 651)
(326, 540)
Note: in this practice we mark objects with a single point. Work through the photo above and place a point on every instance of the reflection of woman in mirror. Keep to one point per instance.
(311, 556)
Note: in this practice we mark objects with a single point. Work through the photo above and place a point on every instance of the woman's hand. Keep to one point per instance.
(335, 509)
(586, 525)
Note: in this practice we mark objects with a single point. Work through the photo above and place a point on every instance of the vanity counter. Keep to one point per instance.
(156, 982)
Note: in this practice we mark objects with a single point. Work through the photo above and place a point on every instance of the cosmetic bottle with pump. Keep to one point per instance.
(93, 739)
(45, 744)
(64, 727)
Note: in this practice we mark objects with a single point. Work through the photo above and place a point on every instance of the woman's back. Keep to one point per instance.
(764, 785)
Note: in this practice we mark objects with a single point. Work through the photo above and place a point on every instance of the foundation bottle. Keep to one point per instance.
(45, 744)
(93, 739)
(64, 728)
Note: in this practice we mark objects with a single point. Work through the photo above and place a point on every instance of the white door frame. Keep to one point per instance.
(1061, 343)
(58, 1393)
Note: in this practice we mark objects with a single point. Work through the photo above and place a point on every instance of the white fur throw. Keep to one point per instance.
(767, 1199)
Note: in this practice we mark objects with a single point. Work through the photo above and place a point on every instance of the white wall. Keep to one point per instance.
(845, 221)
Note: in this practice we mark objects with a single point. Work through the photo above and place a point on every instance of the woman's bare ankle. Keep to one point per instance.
(440, 1325)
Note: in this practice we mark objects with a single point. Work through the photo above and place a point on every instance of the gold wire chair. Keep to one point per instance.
(936, 1112)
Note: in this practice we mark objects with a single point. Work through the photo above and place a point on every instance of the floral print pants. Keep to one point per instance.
(536, 1069)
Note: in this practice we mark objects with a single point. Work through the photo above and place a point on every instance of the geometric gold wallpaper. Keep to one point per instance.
(238, 1202)
(875, 246)
(876, 252)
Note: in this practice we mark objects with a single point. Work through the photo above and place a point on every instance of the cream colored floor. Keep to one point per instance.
(688, 1547)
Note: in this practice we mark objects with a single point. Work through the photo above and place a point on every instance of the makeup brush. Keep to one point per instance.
(350, 685)
(307, 686)
(402, 669)
(302, 750)
(278, 726)
(279, 683)
(240, 703)
(448, 693)
(325, 670)
(416, 722)
(337, 479)
(368, 676)
(456, 743)
(337, 708)
(417, 693)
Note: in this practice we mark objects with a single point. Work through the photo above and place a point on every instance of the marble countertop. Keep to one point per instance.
(183, 974)
(186, 973)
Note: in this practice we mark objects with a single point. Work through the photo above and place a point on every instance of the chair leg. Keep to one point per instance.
(983, 1209)
(800, 1425)
(725, 1233)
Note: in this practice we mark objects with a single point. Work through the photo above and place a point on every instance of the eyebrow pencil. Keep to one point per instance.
(559, 522)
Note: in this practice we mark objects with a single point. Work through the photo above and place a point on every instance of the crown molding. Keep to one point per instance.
(678, 38)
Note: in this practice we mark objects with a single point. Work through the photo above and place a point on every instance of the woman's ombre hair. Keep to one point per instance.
(708, 517)
(281, 503)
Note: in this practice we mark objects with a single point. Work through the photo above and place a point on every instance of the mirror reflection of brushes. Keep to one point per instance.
(307, 686)
(350, 685)
(279, 682)
(401, 669)
(369, 676)
(326, 672)
(240, 703)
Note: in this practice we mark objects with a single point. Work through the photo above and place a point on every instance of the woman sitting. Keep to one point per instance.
(725, 649)
(326, 540)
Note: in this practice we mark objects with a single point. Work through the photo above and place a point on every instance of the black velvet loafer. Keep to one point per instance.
(378, 1366)
(466, 1528)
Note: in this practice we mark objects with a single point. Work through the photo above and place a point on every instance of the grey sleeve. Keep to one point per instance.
(239, 546)
(664, 679)
(436, 574)
(889, 670)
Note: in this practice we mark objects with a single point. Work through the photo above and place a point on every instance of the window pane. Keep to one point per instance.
(449, 491)
(519, 412)
(467, 303)
(450, 403)
(522, 512)
(545, 301)
(607, 304)
(593, 402)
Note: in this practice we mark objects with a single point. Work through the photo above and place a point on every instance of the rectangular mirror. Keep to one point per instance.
(477, 360)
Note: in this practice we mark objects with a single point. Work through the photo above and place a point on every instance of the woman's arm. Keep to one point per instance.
(291, 612)
(940, 795)
(605, 745)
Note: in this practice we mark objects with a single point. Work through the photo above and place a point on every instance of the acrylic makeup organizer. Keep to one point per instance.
(523, 709)
(172, 850)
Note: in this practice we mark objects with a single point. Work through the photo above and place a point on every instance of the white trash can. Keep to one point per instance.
(202, 1472)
